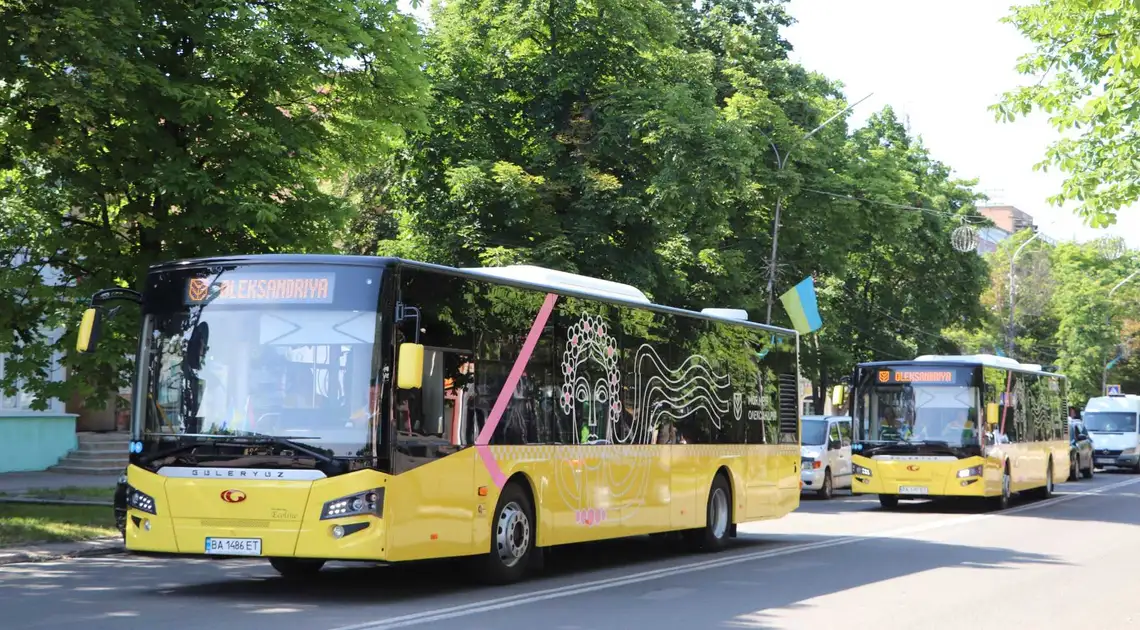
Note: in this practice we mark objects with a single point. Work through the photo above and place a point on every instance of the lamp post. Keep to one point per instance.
(1108, 321)
(781, 162)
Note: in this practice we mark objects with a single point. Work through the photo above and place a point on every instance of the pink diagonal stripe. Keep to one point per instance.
(497, 476)
(517, 370)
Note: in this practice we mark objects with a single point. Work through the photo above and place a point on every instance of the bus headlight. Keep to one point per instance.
(975, 471)
(140, 501)
(367, 502)
(861, 470)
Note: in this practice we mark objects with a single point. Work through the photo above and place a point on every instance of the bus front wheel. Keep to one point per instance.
(296, 567)
(888, 501)
(512, 537)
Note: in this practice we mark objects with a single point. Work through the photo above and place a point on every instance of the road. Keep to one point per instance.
(1061, 563)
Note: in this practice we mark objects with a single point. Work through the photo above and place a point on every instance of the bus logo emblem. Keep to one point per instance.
(233, 496)
(198, 290)
(912, 468)
(884, 376)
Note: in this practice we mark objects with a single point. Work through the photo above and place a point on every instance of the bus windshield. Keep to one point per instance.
(1109, 421)
(920, 413)
(284, 371)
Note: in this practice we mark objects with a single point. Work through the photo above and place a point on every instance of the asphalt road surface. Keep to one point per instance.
(1072, 561)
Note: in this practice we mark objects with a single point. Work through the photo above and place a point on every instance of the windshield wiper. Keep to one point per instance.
(240, 439)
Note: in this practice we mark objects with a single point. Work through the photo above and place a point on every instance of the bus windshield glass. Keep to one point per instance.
(288, 370)
(1109, 421)
(941, 412)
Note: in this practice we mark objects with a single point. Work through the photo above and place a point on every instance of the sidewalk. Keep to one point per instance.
(56, 551)
(18, 483)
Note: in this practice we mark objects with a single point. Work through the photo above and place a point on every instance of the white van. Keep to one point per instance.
(825, 452)
(1113, 422)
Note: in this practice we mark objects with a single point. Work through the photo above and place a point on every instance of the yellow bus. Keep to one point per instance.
(958, 426)
(307, 408)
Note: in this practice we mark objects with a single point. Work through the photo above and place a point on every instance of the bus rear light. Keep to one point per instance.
(861, 470)
(362, 503)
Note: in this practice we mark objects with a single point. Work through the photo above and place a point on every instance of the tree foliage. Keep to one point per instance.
(642, 141)
(1086, 66)
(656, 158)
(1064, 317)
(132, 132)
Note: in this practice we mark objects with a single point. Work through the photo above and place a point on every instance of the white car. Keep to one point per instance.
(825, 452)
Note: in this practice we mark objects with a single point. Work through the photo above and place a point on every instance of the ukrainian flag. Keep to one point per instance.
(802, 308)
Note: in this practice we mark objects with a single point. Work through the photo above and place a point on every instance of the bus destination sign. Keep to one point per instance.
(917, 375)
(262, 288)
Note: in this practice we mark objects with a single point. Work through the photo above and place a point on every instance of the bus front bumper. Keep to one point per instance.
(960, 478)
(253, 518)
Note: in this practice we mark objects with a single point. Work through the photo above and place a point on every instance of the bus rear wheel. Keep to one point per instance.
(1046, 491)
(888, 501)
(718, 519)
(512, 538)
(292, 568)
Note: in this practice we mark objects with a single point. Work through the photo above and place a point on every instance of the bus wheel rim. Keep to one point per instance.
(1005, 483)
(719, 513)
(512, 534)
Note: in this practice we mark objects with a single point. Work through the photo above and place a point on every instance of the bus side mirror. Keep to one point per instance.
(838, 393)
(89, 328)
(992, 414)
(410, 370)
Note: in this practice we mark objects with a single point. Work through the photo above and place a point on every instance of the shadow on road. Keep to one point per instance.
(751, 593)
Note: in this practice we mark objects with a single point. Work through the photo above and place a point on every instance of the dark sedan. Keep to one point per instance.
(1080, 452)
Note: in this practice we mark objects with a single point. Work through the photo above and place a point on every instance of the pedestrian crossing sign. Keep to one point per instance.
(1113, 390)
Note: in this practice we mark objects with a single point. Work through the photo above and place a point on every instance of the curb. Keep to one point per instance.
(35, 501)
(59, 551)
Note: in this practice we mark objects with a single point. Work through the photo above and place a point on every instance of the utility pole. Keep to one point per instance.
(781, 162)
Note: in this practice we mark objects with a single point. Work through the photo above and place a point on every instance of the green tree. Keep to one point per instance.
(1086, 75)
(169, 129)
(902, 282)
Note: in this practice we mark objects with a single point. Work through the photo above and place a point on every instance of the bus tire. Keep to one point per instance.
(718, 518)
(513, 537)
(1046, 491)
(296, 568)
(1002, 501)
(888, 501)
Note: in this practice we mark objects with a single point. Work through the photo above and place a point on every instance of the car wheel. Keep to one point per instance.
(828, 490)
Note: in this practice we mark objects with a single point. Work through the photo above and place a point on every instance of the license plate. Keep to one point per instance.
(912, 490)
(1104, 460)
(234, 546)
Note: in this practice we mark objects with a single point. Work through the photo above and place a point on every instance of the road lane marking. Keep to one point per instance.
(512, 601)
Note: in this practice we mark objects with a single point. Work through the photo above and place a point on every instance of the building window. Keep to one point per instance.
(22, 401)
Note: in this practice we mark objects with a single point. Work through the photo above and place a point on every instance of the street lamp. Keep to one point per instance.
(1108, 322)
(782, 161)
